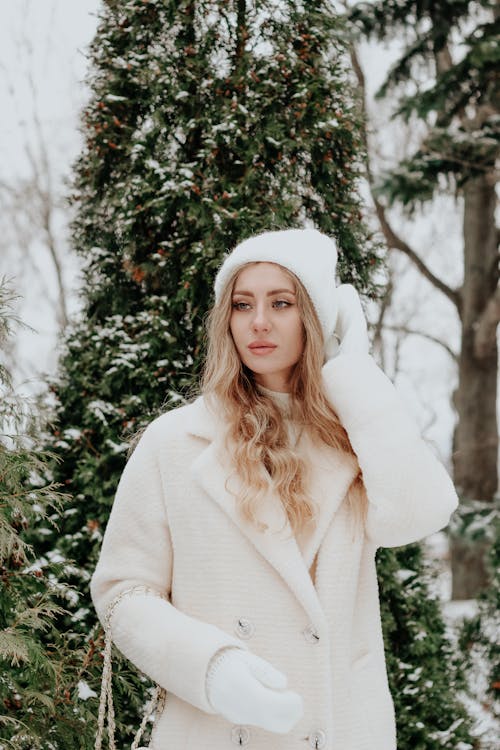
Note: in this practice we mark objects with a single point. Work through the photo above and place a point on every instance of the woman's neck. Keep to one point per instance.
(276, 385)
(281, 398)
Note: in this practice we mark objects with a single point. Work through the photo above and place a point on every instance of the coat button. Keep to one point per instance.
(243, 627)
(240, 735)
(310, 634)
(317, 739)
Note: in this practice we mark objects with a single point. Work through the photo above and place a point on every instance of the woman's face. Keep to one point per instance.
(264, 310)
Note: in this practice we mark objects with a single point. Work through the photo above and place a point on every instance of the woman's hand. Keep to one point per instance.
(246, 689)
(351, 334)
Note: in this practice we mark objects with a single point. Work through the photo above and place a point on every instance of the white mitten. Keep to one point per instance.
(246, 689)
(351, 334)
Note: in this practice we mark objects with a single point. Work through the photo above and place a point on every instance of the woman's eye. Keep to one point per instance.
(279, 303)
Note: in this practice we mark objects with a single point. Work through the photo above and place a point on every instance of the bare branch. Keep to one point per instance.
(393, 240)
(430, 337)
(396, 242)
(46, 198)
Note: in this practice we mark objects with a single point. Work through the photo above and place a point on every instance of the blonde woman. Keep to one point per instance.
(245, 524)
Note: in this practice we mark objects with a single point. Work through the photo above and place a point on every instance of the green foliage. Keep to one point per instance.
(457, 45)
(478, 638)
(38, 678)
(461, 155)
(419, 658)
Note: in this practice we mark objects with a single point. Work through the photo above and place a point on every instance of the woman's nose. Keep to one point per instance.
(260, 320)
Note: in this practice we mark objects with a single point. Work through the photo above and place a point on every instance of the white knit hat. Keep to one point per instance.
(308, 253)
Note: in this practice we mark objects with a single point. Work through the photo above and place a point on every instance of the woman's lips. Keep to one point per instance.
(261, 349)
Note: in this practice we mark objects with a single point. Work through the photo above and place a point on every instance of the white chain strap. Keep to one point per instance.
(158, 700)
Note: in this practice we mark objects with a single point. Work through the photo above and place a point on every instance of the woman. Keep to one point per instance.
(253, 513)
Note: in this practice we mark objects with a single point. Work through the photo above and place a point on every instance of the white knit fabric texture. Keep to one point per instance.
(246, 689)
(217, 659)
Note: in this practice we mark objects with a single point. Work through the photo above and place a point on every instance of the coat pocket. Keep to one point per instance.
(372, 709)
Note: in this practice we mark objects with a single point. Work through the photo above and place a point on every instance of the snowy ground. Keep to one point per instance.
(486, 728)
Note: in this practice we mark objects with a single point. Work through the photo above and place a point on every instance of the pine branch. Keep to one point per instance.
(14, 647)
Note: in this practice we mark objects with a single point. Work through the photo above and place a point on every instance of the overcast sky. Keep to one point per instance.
(44, 40)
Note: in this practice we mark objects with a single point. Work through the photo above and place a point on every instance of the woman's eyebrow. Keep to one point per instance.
(273, 291)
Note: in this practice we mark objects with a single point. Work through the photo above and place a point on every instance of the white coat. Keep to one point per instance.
(175, 528)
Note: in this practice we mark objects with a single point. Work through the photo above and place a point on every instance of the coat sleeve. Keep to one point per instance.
(410, 493)
(174, 649)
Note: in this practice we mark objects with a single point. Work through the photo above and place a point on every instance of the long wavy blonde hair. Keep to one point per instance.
(256, 434)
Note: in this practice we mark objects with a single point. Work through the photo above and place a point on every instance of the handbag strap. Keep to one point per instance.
(158, 700)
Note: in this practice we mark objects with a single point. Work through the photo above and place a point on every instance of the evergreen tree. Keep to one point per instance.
(209, 121)
(424, 678)
(478, 642)
(41, 675)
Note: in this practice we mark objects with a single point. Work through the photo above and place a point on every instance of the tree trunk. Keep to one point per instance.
(475, 452)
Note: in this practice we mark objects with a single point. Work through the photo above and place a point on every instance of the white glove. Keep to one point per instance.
(351, 334)
(246, 689)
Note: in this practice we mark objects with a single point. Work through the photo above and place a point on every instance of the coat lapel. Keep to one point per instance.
(331, 475)
(277, 545)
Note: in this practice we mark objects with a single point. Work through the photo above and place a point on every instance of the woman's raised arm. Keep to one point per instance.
(409, 491)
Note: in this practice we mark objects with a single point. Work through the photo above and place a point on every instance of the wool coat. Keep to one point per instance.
(175, 528)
